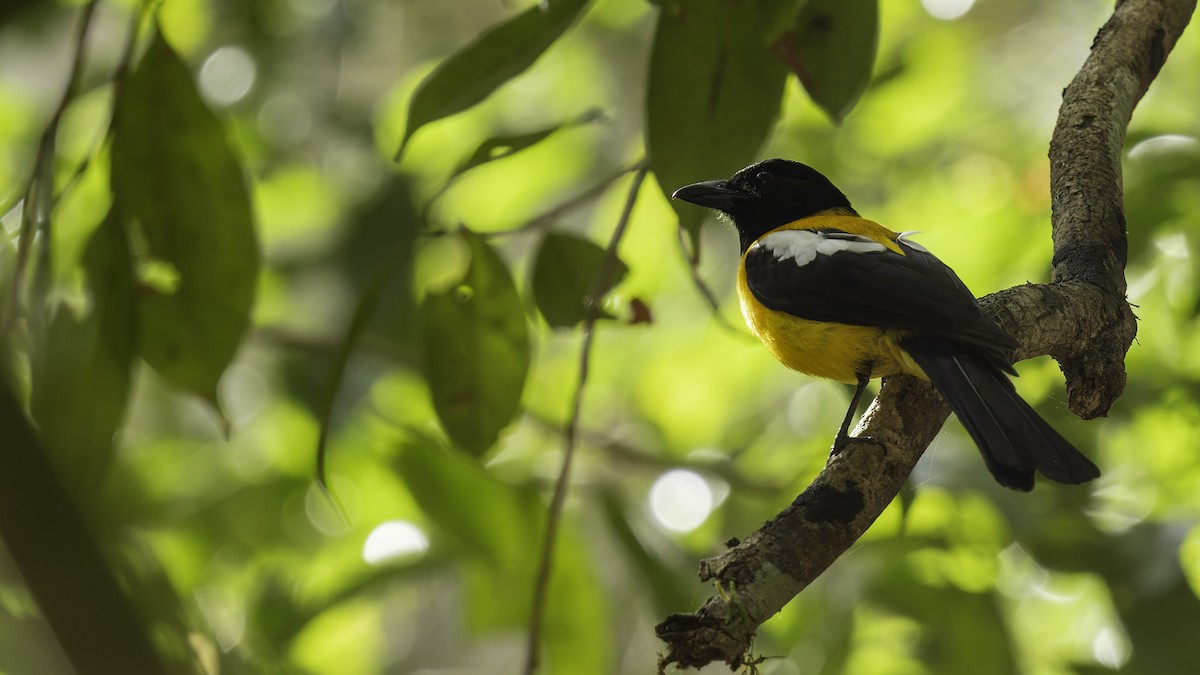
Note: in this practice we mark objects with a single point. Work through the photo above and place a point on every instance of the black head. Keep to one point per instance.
(763, 196)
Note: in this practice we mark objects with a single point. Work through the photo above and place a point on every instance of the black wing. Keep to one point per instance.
(1014, 440)
(844, 278)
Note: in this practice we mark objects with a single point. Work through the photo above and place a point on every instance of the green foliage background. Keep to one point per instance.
(277, 225)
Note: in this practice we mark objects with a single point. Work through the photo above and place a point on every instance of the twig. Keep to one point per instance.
(641, 457)
(551, 215)
(40, 189)
(115, 79)
(554, 517)
(570, 204)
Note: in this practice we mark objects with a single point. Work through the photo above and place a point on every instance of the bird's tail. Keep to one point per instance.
(1013, 439)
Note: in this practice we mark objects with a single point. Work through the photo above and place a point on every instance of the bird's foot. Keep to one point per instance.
(842, 441)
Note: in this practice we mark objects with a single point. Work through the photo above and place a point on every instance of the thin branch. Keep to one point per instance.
(85, 602)
(39, 191)
(115, 79)
(1082, 319)
(551, 215)
(557, 211)
(554, 518)
(656, 462)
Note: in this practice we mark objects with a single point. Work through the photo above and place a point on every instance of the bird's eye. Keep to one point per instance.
(763, 176)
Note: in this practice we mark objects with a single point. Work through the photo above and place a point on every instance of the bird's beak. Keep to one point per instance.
(714, 194)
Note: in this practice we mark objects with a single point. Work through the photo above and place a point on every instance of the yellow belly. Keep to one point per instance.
(832, 350)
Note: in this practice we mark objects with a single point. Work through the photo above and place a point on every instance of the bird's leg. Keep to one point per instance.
(843, 435)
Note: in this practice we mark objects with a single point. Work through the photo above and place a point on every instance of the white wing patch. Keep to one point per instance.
(903, 238)
(803, 246)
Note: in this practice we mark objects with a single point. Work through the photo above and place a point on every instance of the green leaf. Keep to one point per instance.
(831, 48)
(713, 95)
(671, 592)
(177, 177)
(578, 626)
(971, 639)
(499, 147)
(564, 275)
(779, 16)
(377, 256)
(82, 374)
(476, 345)
(492, 519)
(471, 74)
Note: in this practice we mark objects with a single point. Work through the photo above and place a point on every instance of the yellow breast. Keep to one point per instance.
(822, 349)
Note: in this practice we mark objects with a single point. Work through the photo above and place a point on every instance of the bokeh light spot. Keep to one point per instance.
(1110, 648)
(394, 539)
(227, 75)
(285, 119)
(947, 10)
(1163, 144)
(680, 500)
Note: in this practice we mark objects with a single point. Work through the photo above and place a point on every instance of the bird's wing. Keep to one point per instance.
(834, 276)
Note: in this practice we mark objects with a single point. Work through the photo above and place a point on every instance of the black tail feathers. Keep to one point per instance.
(1013, 439)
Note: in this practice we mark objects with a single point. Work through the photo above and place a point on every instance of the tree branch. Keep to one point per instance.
(83, 598)
(1082, 319)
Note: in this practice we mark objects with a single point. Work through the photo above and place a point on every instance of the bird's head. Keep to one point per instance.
(763, 196)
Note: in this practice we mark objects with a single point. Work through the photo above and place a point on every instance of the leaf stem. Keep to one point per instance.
(554, 517)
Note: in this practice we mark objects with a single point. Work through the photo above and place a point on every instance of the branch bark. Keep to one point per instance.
(79, 592)
(1082, 319)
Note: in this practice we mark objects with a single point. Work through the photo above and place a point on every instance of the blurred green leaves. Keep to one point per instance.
(475, 71)
(506, 145)
(477, 354)
(177, 177)
(82, 371)
(972, 579)
(565, 272)
(493, 520)
(496, 527)
(712, 96)
(831, 48)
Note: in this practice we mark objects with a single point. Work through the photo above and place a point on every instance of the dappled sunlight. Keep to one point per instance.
(224, 614)
(324, 513)
(1166, 143)
(243, 393)
(227, 75)
(1110, 648)
(1118, 503)
(947, 10)
(394, 540)
(680, 500)
(1077, 610)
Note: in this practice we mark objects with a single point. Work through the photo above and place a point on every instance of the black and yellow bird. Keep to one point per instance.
(834, 295)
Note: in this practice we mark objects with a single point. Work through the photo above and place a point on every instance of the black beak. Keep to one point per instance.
(714, 194)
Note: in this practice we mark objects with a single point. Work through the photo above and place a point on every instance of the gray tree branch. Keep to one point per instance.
(1082, 319)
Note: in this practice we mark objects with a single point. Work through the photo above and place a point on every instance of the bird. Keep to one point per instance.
(834, 295)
